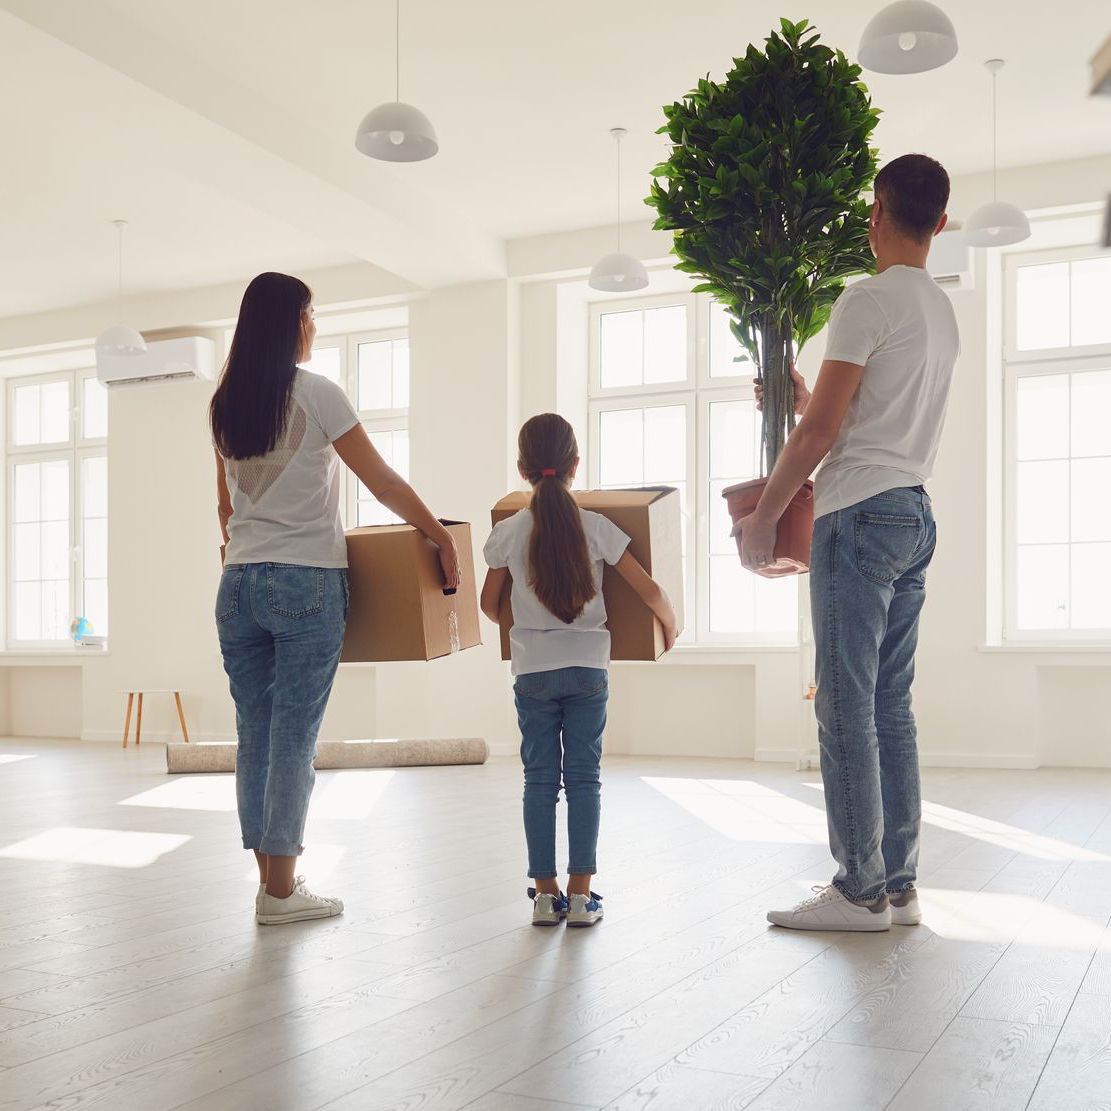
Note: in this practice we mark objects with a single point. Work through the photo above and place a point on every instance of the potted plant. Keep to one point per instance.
(764, 190)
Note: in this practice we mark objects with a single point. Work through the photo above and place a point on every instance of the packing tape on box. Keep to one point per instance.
(453, 631)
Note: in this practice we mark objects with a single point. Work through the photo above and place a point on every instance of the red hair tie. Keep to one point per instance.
(548, 472)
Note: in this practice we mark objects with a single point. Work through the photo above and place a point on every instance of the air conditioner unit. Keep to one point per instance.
(164, 359)
(950, 260)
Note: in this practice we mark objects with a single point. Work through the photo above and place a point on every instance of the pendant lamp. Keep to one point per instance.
(909, 36)
(396, 131)
(619, 272)
(120, 339)
(997, 223)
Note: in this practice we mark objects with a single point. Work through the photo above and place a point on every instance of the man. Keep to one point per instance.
(877, 409)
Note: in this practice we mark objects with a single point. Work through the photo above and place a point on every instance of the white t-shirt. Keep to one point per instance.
(286, 505)
(540, 641)
(902, 329)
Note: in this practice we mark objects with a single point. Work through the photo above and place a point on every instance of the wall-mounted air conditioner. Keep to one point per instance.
(188, 357)
(950, 260)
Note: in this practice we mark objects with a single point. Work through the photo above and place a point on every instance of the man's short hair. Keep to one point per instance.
(914, 190)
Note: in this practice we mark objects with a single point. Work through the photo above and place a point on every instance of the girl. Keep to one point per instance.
(282, 604)
(560, 647)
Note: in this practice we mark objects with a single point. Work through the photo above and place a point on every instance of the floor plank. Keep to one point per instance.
(1077, 1076)
(979, 1065)
(832, 1076)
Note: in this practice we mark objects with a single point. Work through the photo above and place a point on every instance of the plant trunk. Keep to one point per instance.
(777, 355)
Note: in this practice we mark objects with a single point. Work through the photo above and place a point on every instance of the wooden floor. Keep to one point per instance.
(132, 975)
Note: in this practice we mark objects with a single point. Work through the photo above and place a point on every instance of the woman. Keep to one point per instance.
(279, 433)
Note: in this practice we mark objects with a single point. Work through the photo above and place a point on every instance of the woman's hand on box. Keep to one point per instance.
(449, 561)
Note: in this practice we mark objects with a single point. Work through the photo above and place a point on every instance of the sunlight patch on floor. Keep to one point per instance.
(1018, 840)
(113, 848)
(194, 792)
(349, 795)
(759, 816)
(13, 757)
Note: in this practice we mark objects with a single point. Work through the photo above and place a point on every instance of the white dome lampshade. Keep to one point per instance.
(397, 132)
(120, 340)
(909, 36)
(995, 225)
(618, 273)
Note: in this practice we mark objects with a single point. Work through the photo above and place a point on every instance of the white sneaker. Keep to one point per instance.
(905, 910)
(301, 906)
(547, 910)
(258, 897)
(584, 910)
(830, 910)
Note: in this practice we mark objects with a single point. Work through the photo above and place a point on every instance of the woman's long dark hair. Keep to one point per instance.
(561, 573)
(250, 405)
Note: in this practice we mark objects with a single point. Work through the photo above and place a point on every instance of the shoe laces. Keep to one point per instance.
(823, 893)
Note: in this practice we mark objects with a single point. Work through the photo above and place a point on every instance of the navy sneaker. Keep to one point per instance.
(547, 910)
(584, 910)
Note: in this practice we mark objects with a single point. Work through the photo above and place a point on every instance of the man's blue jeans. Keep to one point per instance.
(281, 631)
(867, 586)
(562, 715)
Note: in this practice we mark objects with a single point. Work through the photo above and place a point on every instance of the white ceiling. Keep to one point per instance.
(223, 128)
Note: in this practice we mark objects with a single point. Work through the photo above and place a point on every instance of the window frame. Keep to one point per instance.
(74, 452)
(1019, 365)
(697, 392)
(372, 420)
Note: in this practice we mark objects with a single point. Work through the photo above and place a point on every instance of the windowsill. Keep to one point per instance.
(10, 657)
(689, 655)
(1045, 648)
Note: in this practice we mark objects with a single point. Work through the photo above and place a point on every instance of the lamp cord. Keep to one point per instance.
(618, 143)
(397, 50)
(994, 141)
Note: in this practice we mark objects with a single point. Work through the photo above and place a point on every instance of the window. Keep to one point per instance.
(1058, 446)
(373, 369)
(671, 404)
(58, 507)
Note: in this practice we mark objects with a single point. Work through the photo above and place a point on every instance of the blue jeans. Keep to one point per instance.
(281, 631)
(867, 585)
(562, 715)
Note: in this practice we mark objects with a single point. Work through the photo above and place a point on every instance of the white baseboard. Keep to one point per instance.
(158, 736)
(1011, 760)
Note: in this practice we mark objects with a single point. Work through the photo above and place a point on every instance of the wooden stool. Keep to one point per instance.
(139, 720)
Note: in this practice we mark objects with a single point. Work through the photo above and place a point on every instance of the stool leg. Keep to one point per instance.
(181, 716)
(139, 720)
(127, 717)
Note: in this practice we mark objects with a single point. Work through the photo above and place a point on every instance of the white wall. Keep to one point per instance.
(484, 356)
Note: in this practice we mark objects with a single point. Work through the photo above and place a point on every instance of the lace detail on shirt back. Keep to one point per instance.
(255, 476)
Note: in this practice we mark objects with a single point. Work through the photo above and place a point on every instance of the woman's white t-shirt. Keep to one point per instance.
(286, 505)
(540, 641)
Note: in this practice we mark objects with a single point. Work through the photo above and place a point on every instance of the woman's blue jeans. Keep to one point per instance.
(281, 631)
(562, 715)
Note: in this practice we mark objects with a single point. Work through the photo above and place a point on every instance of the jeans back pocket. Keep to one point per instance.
(294, 591)
(227, 595)
(886, 544)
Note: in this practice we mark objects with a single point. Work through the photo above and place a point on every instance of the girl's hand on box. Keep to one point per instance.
(671, 635)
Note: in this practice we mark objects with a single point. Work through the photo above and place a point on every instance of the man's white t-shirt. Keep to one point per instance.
(286, 505)
(540, 641)
(901, 328)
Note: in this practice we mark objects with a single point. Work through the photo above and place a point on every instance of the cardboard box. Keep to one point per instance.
(650, 518)
(399, 610)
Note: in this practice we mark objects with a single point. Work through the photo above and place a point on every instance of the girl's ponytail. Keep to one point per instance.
(561, 572)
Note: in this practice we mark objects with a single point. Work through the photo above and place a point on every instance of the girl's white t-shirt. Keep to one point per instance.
(286, 505)
(540, 641)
